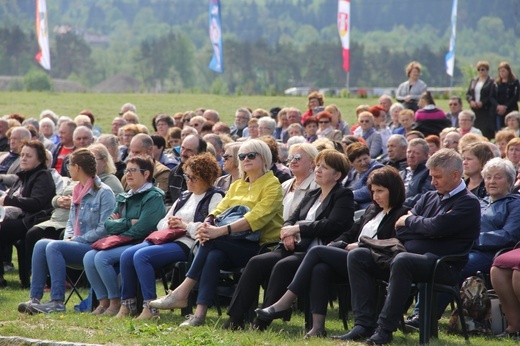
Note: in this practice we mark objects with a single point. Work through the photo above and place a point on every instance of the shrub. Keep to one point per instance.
(37, 80)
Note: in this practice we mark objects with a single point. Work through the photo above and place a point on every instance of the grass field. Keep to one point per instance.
(106, 106)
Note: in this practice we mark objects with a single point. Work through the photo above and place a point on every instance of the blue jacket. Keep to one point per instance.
(94, 209)
(362, 195)
(500, 223)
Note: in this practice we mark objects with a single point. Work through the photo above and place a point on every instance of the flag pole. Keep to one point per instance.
(348, 87)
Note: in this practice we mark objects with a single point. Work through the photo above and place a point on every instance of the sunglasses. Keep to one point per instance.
(482, 69)
(187, 120)
(251, 156)
(226, 156)
(189, 177)
(364, 121)
(296, 157)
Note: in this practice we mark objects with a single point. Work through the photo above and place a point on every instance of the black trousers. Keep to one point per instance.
(10, 232)
(276, 267)
(406, 268)
(321, 266)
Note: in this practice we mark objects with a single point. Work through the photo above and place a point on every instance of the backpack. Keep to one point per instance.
(476, 306)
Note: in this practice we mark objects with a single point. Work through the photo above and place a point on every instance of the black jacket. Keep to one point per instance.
(485, 92)
(418, 185)
(385, 230)
(334, 215)
(36, 192)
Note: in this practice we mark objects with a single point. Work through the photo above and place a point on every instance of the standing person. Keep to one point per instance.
(259, 190)
(320, 217)
(29, 195)
(443, 222)
(138, 263)
(325, 264)
(136, 215)
(409, 92)
(84, 226)
(504, 95)
(479, 98)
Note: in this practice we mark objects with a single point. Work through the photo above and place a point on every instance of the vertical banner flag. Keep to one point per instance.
(450, 57)
(42, 32)
(344, 31)
(215, 35)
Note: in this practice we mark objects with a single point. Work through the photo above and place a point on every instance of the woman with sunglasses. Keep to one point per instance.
(136, 215)
(138, 263)
(320, 217)
(479, 97)
(325, 129)
(230, 166)
(260, 191)
(301, 163)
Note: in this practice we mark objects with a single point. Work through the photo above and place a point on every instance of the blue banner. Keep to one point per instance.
(215, 35)
(450, 57)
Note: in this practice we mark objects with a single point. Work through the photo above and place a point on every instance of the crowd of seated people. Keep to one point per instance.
(285, 175)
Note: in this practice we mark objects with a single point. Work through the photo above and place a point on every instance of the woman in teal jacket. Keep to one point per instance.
(136, 215)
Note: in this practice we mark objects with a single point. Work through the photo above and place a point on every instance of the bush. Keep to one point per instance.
(37, 80)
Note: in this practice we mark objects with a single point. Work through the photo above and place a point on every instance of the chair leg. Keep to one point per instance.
(424, 313)
(74, 287)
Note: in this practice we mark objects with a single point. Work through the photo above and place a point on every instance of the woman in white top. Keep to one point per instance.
(138, 263)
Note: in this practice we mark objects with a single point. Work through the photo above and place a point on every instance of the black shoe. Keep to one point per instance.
(381, 337)
(3, 283)
(319, 334)
(413, 322)
(260, 324)
(356, 333)
(271, 314)
(233, 324)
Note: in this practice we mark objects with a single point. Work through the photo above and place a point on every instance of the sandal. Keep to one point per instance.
(99, 310)
(128, 308)
(148, 312)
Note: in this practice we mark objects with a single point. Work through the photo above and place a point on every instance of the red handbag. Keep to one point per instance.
(166, 235)
(112, 241)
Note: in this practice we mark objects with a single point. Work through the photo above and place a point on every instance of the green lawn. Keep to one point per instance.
(106, 106)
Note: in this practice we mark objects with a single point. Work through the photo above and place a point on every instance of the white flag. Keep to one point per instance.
(450, 57)
(344, 31)
(42, 32)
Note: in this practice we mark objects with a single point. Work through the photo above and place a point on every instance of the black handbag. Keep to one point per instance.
(383, 250)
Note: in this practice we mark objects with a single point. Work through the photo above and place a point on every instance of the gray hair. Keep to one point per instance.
(299, 127)
(49, 114)
(32, 121)
(505, 166)
(244, 111)
(402, 140)
(471, 114)
(145, 140)
(48, 121)
(448, 160)
(296, 140)
(396, 105)
(420, 142)
(215, 140)
(24, 133)
(83, 128)
(260, 147)
(308, 148)
(267, 122)
(110, 142)
(513, 114)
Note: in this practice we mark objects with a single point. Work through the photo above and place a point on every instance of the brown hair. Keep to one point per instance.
(411, 66)
(481, 150)
(483, 64)
(144, 162)
(510, 76)
(204, 167)
(86, 160)
(316, 95)
(38, 147)
(334, 159)
(355, 150)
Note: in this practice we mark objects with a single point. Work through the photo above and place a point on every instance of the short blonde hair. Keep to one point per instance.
(413, 65)
(308, 148)
(260, 147)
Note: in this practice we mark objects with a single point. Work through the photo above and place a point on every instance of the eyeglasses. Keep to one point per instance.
(251, 156)
(186, 120)
(189, 177)
(226, 156)
(241, 118)
(324, 122)
(133, 170)
(296, 157)
(196, 125)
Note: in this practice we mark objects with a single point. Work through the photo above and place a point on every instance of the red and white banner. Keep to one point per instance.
(344, 31)
(42, 32)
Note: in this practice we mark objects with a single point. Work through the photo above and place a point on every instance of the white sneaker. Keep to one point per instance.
(193, 321)
(170, 301)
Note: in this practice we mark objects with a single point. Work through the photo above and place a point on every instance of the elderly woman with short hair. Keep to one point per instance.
(325, 129)
(315, 99)
(105, 168)
(372, 137)
(466, 122)
(513, 122)
(395, 109)
(230, 166)
(409, 92)
(260, 191)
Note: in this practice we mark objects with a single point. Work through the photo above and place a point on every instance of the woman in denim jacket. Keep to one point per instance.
(92, 203)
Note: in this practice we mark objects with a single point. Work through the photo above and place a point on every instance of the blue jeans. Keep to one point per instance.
(139, 263)
(51, 257)
(221, 253)
(101, 273)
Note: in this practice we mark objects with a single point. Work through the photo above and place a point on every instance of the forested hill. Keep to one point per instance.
(268, 44)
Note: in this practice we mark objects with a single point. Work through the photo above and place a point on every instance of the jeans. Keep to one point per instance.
(221, 253)
(101, 273)
(138, 264)
(51, 257)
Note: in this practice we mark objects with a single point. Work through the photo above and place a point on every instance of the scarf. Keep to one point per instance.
(77, 195)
